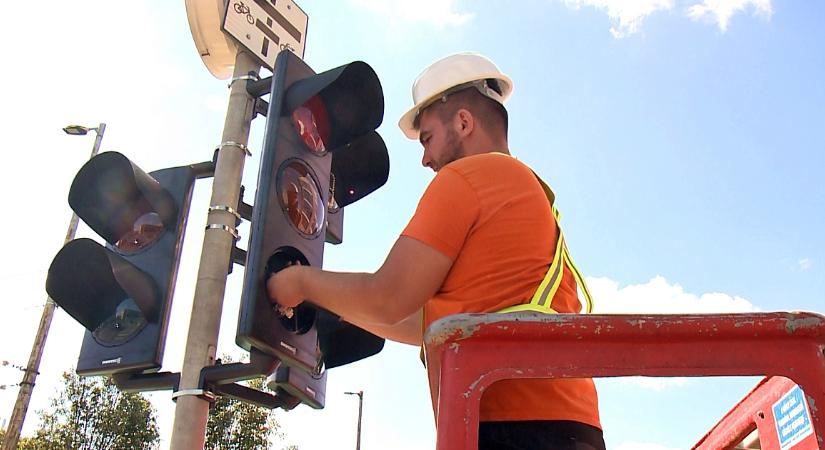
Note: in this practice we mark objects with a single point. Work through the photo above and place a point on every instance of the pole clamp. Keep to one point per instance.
(248, 77)
(238, 145)
(225, 208)
(200, 393)
(227, 228)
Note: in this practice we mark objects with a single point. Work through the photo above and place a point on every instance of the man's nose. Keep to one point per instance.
(425, 159)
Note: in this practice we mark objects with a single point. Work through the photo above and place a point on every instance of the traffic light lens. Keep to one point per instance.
(301, 198)
(125, 323)
(146, 229)
(307, 128)
(303, 316)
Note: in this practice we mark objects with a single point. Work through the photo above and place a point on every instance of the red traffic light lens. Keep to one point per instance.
(146, 229)
(301, 198)
(312, 125)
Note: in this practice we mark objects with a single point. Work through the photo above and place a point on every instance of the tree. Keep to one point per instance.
(236, 425)
(24, 443)
(92, 413)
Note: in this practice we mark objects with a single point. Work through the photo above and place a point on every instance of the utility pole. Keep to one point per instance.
(30, 373)
(191, 411)
(360, 395)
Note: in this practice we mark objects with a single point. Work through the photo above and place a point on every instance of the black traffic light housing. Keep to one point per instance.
(320, 154)
(122, 293)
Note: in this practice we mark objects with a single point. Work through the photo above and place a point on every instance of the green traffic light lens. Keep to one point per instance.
(146, 229)
(117, 329)
(301, 198)
(303, 316)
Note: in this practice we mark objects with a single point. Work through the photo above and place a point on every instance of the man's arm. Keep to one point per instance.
(408, 331)
(412, 274)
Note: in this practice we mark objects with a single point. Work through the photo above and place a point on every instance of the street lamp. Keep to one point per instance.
(360, 395)
(30, 372)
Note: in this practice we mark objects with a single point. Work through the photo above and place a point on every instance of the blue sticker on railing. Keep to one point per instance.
(792, 418)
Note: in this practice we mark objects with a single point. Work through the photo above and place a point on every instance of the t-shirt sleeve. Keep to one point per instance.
(446, 213)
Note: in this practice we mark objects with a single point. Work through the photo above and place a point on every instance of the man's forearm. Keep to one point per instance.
(357, 297)
(408, 331)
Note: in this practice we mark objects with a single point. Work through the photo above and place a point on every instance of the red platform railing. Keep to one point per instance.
(755, 412)
(466, 353)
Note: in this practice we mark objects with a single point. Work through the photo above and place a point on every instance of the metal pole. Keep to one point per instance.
(360, 395)
(191, 411)
(24, 395)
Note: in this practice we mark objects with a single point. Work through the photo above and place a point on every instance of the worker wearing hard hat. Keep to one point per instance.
(484, 238)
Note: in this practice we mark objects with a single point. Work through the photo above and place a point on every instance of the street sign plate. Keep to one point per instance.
(265, 27)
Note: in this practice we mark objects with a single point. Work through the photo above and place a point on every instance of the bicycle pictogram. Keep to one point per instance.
(241, 8)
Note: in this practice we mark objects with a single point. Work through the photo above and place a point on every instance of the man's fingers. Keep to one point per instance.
(286, 311)
(280, 290)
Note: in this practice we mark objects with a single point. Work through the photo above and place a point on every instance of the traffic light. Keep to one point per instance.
(321, 153)
(122, 293)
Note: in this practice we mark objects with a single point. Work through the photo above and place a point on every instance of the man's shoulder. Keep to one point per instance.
(484, 162)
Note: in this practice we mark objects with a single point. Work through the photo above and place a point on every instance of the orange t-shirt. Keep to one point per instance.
(489, 214)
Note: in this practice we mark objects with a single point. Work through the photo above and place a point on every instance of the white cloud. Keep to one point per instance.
(631, 445)
(720, 11)
(439, 13)
(628, 15)
(805, 263)
(657, 296)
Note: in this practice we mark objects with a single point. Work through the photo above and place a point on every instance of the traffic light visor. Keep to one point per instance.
(121, 202)
(359, 169)
(351, 99)
(108, 295)
(342, 343)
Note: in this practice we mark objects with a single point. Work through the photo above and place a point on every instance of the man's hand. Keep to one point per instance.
(286, 288)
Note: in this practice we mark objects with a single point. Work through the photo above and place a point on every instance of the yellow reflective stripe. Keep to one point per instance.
(551, 196)
(588, 300)
(542, 294)
(528, 307)
(552, 280)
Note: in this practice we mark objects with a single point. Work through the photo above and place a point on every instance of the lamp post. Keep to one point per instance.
(31, 370)
(360, 395)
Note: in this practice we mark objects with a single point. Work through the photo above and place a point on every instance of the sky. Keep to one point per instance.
(684, 140)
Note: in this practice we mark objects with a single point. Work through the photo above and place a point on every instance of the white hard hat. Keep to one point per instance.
(455, 72)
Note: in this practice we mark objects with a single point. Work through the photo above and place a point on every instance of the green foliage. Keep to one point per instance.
(235, 425)
(92, 413)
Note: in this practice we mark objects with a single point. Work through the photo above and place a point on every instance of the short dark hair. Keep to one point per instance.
(491, 114)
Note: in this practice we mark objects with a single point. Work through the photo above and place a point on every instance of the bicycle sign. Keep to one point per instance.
(265, 27)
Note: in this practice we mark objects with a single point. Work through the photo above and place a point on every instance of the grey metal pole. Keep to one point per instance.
(24, 395)
(360, 395)
(191, 411)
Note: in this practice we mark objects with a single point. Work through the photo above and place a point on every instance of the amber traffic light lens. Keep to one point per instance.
(301, 198)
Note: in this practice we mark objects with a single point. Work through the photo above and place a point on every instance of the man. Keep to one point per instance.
(482, 240)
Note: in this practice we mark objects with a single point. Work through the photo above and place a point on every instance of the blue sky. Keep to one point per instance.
(684, 140)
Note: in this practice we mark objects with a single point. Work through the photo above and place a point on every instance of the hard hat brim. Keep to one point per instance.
(407, 121)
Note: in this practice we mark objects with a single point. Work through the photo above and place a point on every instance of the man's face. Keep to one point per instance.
(440, 140)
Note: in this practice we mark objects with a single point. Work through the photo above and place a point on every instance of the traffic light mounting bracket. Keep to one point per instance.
(141, 382)
(222, 379)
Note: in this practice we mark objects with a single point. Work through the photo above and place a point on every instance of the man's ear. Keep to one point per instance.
(464, 122)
